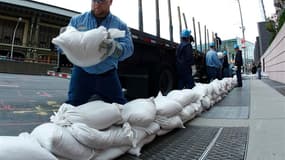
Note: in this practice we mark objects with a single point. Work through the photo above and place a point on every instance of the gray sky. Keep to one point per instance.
(221, 16)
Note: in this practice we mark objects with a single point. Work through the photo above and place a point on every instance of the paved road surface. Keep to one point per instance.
(26, 101)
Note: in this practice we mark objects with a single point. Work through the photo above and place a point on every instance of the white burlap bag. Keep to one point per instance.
(23, 147)
(187, 113)
(59, 141)
(82, 48)
(141, 132)
(139, 112)
(137, 150)
(184, 96)
(92, 114)
(112, 137)
(169, 123)
(166, 106)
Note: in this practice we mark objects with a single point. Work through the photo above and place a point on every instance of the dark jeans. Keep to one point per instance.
(186, 81)
(226, 72)
(259, 73)
(239, 79)
(213, 73)
(185, 78)
(83, 86)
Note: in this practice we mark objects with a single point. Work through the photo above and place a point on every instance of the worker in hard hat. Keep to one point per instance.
(184, 61)
(238, 64)
(213, 63)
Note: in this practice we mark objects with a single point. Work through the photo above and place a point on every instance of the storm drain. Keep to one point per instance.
(231, 144)
(196, 143)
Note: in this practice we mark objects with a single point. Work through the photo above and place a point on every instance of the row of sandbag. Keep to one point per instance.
(99, 130)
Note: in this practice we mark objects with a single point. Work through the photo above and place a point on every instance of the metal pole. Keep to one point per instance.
(13, 38)
(185, 21)
(199, 27)
(179, 19)
(170, 21)
(140, 16)
(208, 38)
(205, 31)
(157, 18)
(243, 37)
(264, 13)
(195, 37)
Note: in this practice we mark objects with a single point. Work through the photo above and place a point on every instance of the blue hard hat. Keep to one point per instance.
(212, 44)
(185, 33)
(236, 46)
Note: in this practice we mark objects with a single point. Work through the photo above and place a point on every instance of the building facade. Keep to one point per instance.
(27, 28)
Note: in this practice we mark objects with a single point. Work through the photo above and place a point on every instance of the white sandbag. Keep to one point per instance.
(59, 141)
(93, 138)
(184, 96)
(166, 106)
(206, 102)
(220, 55)
(139, 112)
(216, 86)
(187, 113)
(201, 89)
(92, 114)
(163, 132)
(152, 128)
(23, 147)
(198, 107)
(140, 132)
(137, 150)
(82, 48)
(112, 153)
(169, 123)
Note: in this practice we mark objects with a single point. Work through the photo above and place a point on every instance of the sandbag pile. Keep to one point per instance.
(104, 131)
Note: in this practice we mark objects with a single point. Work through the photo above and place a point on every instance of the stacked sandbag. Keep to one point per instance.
(23, 147)
(205, 96)
(103, 131)
(143, 136)
(140, 114)
(93, 114)
(115, 136)
(94, 127)
(59, 141)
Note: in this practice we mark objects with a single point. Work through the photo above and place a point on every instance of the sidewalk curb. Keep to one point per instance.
(58, 74)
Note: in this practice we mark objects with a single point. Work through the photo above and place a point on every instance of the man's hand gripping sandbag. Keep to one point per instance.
(90, 47)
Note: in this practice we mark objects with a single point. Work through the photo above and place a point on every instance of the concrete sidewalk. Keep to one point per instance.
(266, 122)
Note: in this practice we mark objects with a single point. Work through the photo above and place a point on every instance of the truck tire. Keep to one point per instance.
(163, 81)
(166, 81)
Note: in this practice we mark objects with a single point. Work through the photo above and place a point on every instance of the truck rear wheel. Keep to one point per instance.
(166, 81)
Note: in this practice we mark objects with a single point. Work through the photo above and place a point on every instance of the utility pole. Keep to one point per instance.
(243, 37)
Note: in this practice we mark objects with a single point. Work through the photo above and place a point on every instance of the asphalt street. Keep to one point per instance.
(27, 101)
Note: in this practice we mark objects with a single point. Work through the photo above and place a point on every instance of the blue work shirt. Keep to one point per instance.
(212, 59)
(87, 21)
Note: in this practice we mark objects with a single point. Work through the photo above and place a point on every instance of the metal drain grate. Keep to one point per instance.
(190, 144)
(231, 144)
